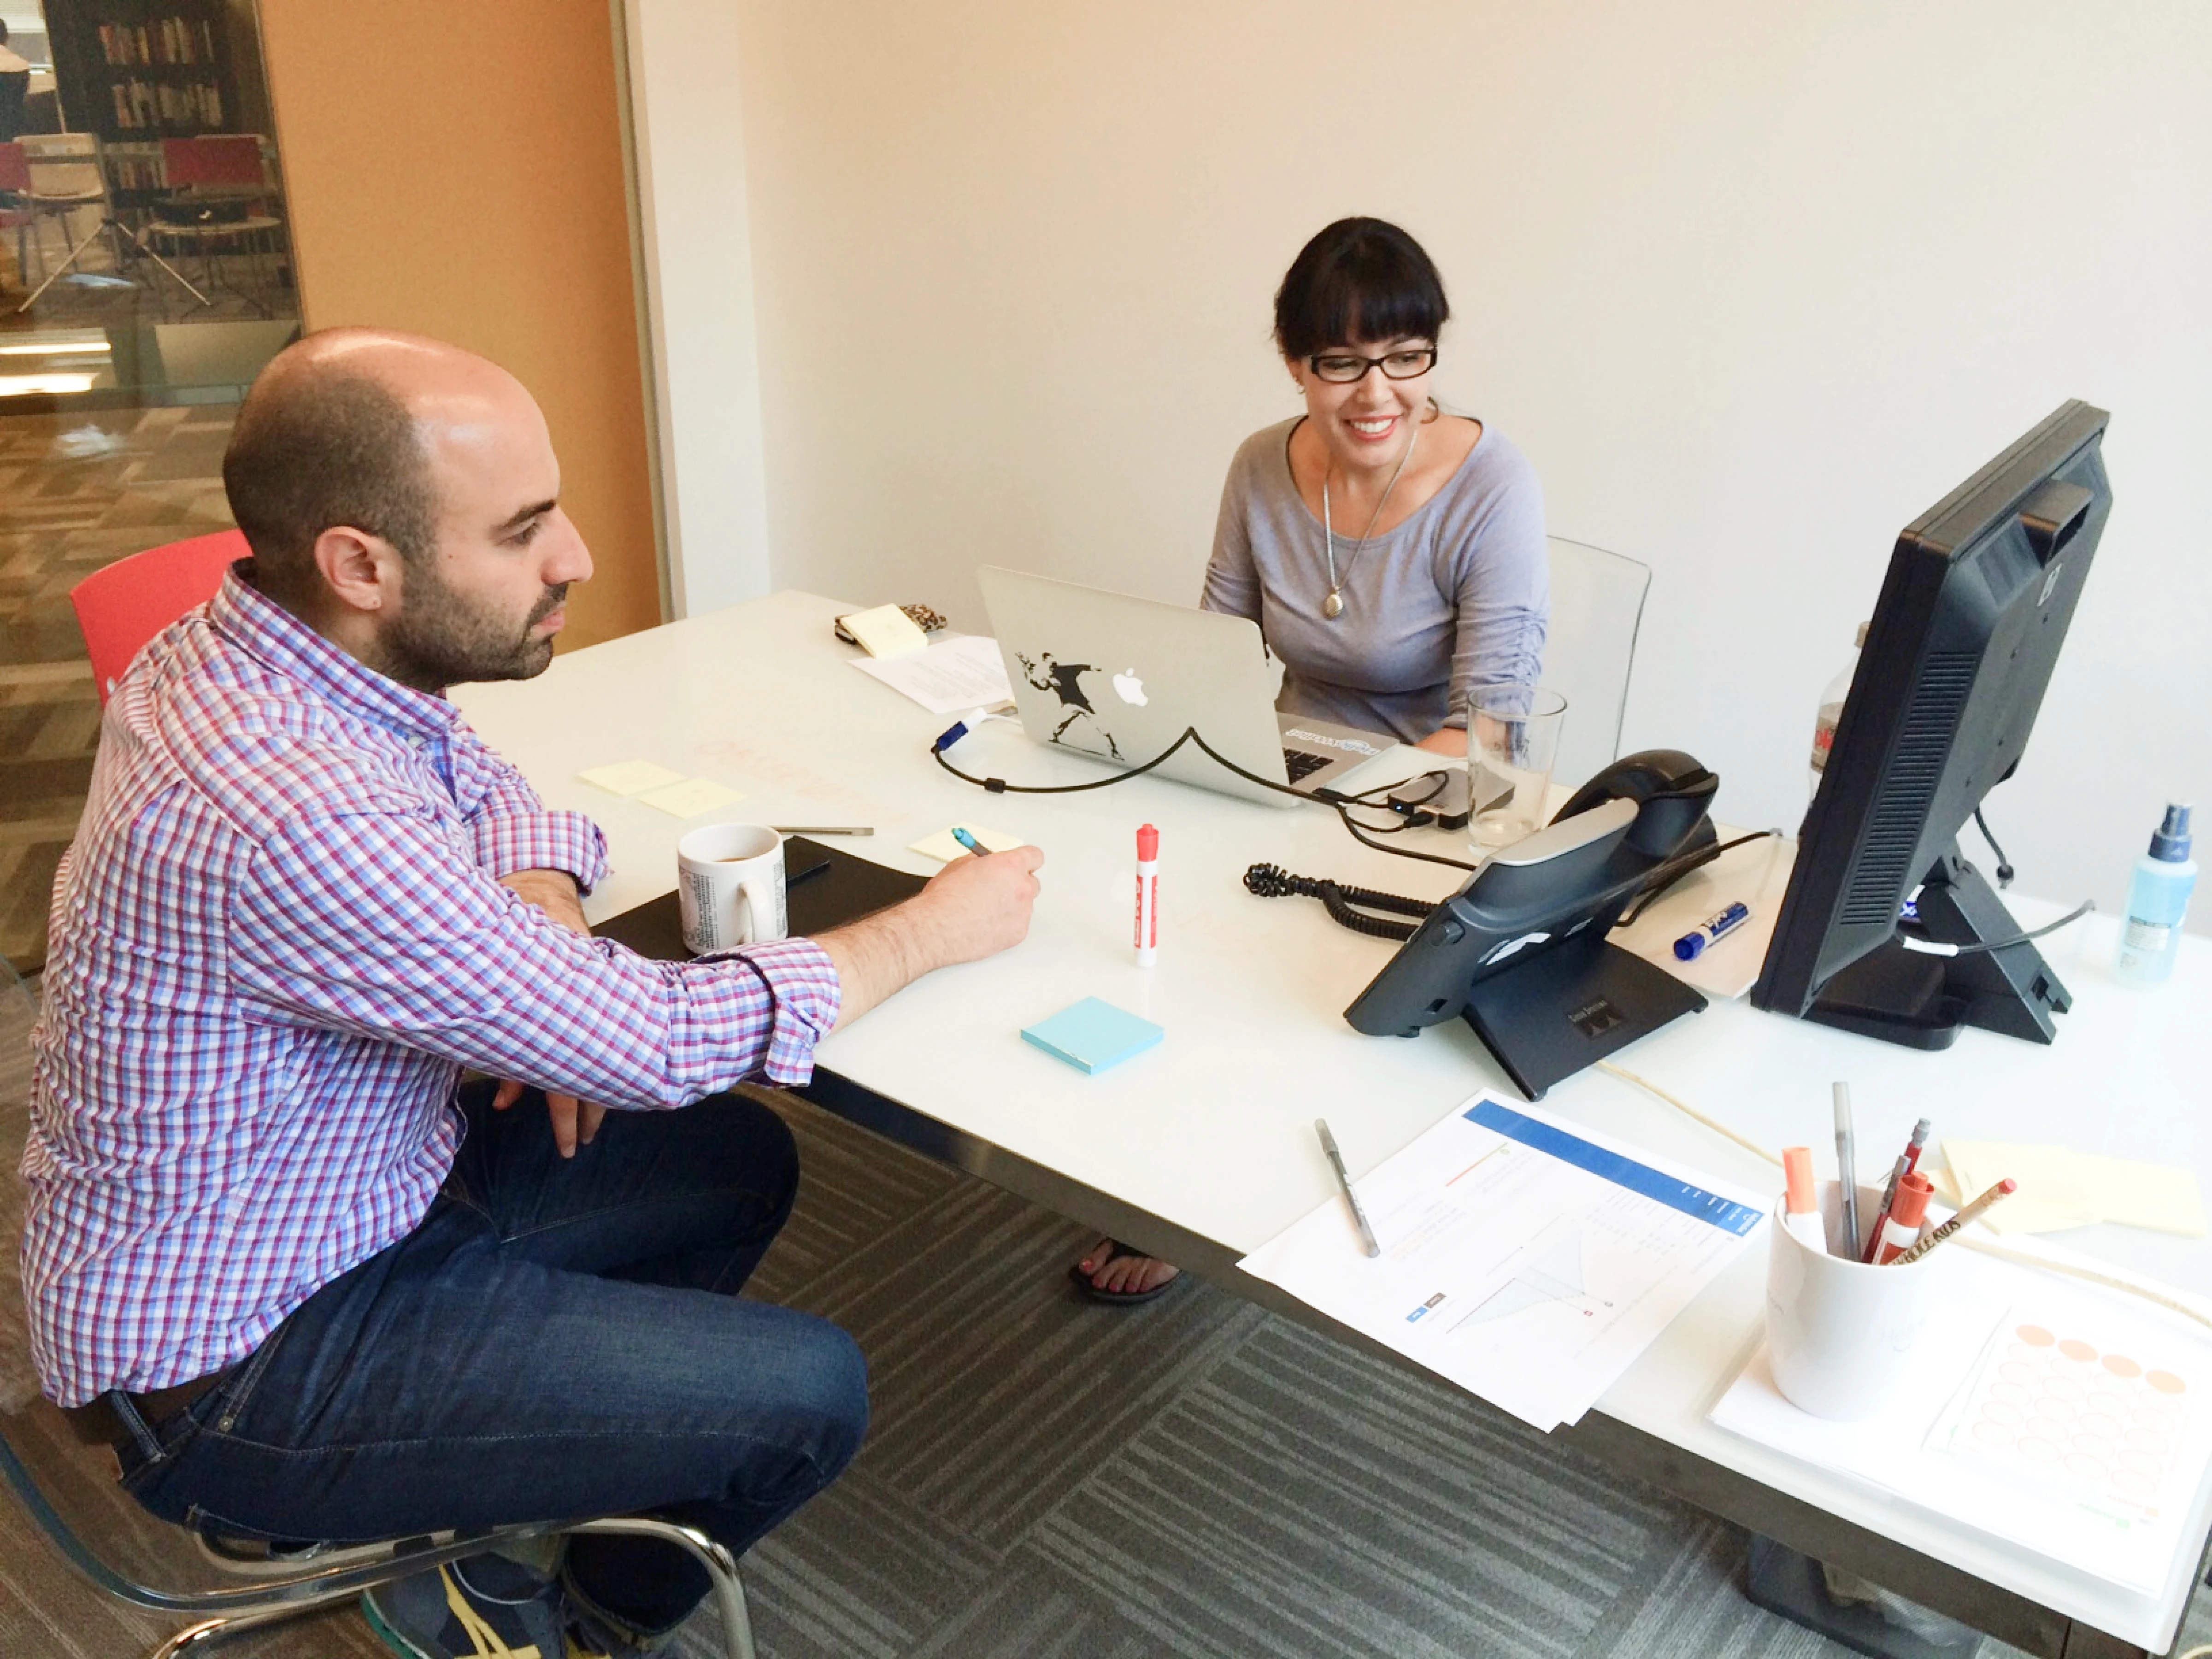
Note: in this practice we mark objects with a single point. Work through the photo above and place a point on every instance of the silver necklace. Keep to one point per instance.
(1333, 606)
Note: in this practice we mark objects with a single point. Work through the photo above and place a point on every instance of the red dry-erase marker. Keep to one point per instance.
(1148, 896)
(1901, 1229)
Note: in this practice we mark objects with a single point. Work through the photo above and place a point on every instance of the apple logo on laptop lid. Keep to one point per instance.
(1129, 687)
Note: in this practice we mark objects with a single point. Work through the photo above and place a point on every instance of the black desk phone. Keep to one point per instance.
(1520, 952)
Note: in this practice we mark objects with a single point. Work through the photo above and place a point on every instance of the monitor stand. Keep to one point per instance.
(1920, 1001)
(1570, 1008)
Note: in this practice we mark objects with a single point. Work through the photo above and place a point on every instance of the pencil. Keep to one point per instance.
(1972, 1212)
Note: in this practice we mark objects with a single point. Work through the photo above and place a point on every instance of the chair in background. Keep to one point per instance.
(14, 215)
(122, 606)
(219, 203)
(68, 177)
(1597, 606)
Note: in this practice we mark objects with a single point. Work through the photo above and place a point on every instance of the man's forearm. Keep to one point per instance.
(877, 956)
(974, 908)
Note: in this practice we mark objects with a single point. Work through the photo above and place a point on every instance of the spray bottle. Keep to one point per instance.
(2158, 900)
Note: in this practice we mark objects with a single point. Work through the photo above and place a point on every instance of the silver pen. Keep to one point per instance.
(1847, 1167)
(823, 829)
(1343, 1180)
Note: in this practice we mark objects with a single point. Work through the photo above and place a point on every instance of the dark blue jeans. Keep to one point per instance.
(558, 1339)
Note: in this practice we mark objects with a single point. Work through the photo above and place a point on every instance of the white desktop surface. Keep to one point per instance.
(1213, 1128)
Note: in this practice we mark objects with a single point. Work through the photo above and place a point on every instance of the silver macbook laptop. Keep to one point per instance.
(1119, 679)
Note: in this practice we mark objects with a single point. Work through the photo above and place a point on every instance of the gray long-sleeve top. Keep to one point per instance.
(1456, 597)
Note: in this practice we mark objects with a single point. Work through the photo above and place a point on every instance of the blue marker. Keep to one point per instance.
(969, 841)
(1710, 931)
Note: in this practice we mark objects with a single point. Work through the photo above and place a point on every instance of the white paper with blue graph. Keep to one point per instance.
(1525, 1258)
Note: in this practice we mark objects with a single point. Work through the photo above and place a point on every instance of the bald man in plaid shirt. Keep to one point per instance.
(308, 1284)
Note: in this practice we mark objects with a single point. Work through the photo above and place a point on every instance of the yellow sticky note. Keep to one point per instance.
(886, 631)
(631, 777)
(2061, 1188)
(690, 798)
(2051, 1196)
(942, 847)
(2158, 1196)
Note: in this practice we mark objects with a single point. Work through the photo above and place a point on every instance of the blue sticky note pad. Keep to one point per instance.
(1092, 1036)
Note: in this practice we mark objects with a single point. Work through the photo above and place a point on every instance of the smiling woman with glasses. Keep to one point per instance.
(1393, 555)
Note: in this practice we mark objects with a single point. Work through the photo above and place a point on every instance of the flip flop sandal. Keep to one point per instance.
(1115, 1250)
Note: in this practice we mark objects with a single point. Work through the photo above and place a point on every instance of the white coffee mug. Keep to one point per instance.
(1839, 1333)
(729, 885)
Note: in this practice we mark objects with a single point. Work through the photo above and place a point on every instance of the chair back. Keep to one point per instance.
(123, 606)
(14, 170)
(229, 160)
(65, 166)
(1597, 605)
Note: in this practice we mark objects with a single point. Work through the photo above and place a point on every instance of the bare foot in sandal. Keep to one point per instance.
(1111, 1271)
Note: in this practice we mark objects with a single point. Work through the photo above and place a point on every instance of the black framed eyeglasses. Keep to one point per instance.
(1342, 368)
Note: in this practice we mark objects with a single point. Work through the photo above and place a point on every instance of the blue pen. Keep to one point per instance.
(969, 842)
(1712, 929)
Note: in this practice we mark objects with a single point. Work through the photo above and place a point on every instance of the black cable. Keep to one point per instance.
(1929, 947)
(1703, 856)
(2004, 867)
(1328, 797)
(1272, 881)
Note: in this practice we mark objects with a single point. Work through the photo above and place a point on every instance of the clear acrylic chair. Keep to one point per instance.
(1597, 606)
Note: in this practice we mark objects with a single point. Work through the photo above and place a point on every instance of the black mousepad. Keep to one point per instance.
(849, 889)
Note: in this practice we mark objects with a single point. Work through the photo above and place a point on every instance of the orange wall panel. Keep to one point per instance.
(456, 169)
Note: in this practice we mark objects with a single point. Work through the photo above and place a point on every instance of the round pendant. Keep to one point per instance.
(1333, 606)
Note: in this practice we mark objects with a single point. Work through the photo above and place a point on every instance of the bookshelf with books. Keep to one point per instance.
(137, 71)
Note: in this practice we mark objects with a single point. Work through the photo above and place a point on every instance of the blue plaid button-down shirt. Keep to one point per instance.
(276, 942)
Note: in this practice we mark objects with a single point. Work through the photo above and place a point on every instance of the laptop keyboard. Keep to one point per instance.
(1302, 763)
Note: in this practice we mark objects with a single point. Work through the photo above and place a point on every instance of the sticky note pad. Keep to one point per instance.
(631, 777)
(1092, 1036)
(886, 631)
(942, 847)
(690, 797)
(2062, 1188)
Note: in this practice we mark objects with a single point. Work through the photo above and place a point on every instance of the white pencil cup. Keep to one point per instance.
(729, 886)
(1839, 1333)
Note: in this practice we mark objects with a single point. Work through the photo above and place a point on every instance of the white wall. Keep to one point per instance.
(696, 232)
(1753, 285)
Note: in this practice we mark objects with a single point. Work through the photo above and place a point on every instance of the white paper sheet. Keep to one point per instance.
(950, 678)
(1529, 1260)
(2074, 1420)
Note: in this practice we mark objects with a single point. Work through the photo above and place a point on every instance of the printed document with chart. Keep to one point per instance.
(1526, 1259)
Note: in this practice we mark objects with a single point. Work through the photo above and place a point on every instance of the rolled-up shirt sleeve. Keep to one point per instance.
(515, 831)
(381, 927)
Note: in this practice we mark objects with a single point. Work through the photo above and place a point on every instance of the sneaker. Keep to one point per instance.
(484, 1607)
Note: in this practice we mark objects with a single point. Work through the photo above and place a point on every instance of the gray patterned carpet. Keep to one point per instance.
(1050, 1480)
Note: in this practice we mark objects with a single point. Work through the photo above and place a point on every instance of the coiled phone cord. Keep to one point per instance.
(1272, 881)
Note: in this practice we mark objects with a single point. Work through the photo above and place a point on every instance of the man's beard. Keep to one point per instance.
(441, 638)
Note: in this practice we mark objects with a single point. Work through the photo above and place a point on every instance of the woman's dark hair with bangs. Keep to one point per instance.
(1358, 279)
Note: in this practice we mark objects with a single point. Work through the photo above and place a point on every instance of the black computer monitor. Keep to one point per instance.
(1964, 637)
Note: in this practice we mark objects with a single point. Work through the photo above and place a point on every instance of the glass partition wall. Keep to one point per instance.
(145, 257)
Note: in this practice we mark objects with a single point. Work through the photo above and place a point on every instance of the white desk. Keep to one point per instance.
(1203, 1148)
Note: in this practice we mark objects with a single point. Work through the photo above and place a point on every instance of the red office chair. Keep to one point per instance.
(122, 607)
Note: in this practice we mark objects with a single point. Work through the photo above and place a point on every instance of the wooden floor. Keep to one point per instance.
(69, 503)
